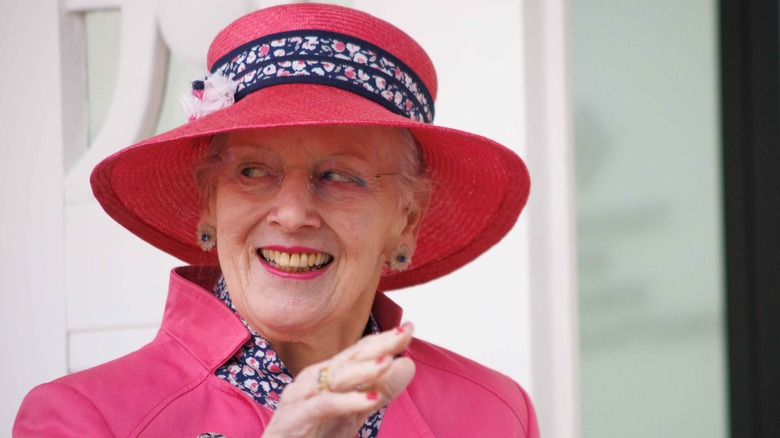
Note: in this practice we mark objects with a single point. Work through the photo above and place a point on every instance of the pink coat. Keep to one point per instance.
(168, 388)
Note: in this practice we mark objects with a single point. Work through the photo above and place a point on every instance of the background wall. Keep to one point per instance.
(32, 319)
(650, 250)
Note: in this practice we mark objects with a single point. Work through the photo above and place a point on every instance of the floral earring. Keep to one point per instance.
(400, 258)
(207, 236)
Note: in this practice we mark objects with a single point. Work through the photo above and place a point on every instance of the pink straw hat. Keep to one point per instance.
(312, 64)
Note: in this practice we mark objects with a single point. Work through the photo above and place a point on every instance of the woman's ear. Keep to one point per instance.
(206, 233)
(400, 251)
(415, 211)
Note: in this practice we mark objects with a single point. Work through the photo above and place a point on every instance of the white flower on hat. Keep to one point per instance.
(210, 94)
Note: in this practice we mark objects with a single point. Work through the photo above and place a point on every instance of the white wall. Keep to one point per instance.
(32, 300)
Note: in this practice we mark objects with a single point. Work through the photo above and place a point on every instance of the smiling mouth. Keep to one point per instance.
(295, 261)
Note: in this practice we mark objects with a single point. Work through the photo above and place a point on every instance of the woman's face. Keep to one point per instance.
(304, 225)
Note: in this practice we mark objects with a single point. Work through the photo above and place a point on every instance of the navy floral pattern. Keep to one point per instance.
(331, 59)
(256, 369)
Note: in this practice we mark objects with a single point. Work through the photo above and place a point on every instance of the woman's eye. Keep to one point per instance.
(255, 172)
(337, 176)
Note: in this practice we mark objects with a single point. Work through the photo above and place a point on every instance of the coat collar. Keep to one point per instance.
(212, 333)
(386, 313)
(198, 320)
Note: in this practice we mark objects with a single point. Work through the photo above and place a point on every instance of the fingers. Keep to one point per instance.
(397, 376)
(341, 376)
(388, 343)
(342, 404)
(361, 367)
(326, 414)
(365, 365)
(387, 376)
(351, 376)
(396, 379)
(342, 391)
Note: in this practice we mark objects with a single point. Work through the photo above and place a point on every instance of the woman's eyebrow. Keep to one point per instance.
(357, 154)
(244, 149)
(247, 145)
(343, 155)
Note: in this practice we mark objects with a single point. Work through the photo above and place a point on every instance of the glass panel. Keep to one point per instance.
(648, 218)
(103, 30)
(177, 82)
(103, 46)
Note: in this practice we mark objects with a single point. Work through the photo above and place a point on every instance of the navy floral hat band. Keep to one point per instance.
(313, 57)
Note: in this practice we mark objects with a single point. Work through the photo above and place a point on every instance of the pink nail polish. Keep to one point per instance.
(373, 395)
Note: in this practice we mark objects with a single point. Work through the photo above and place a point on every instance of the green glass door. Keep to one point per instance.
(648, 194)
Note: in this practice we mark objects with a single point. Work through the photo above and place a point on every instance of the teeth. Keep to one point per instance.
(296, 262)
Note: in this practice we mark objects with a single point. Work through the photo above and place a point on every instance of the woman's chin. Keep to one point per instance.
(290, 329)
(285, 310)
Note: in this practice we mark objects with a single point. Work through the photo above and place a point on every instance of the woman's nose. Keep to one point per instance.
(294, 206)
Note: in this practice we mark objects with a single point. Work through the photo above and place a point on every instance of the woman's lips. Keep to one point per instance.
(295, 260)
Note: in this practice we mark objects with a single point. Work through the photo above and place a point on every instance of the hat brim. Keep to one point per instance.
(479, 186)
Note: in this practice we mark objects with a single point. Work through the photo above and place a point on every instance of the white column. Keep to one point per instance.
(552, 257)
(32, 303)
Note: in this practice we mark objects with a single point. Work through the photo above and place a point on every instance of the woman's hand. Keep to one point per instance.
(334, 398)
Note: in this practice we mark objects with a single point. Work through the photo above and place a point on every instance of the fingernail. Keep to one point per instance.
(373, 395)
(380, 359)
(400, 329)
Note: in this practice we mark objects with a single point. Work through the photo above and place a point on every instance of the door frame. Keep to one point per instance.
(750, 81)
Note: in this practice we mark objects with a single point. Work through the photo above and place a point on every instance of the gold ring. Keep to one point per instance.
(322, 379)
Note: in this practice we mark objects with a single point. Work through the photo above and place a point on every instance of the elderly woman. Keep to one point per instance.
(311, 174)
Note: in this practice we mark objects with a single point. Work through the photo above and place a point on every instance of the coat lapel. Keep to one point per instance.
(402, 419)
